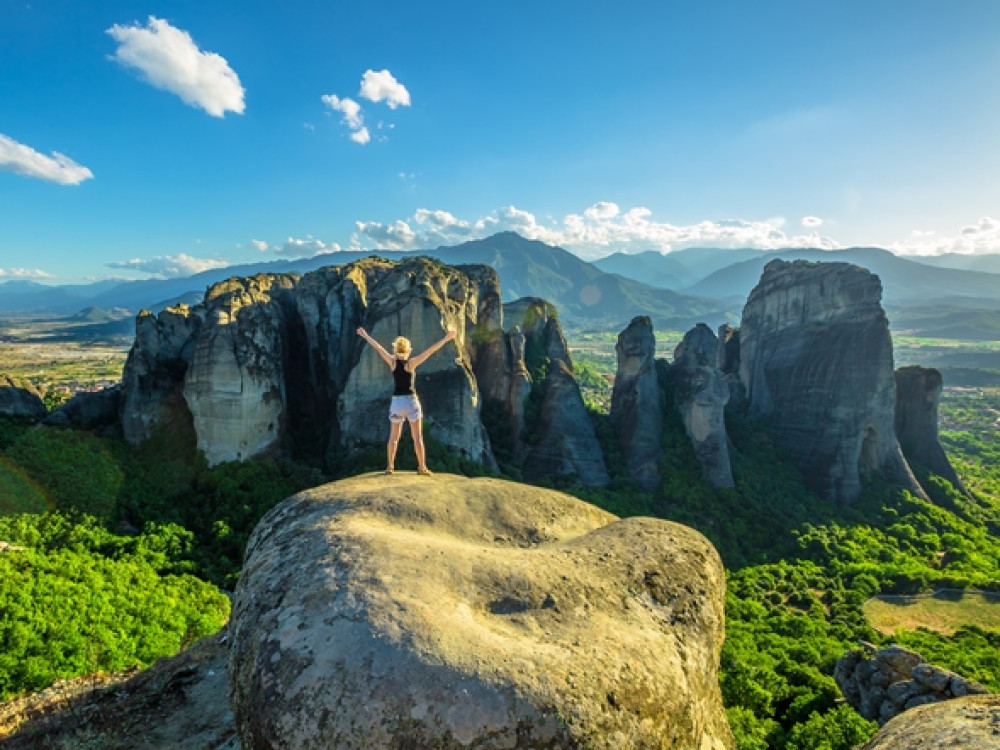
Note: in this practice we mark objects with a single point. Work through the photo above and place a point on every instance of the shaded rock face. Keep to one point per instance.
(389, 612)
(89, 411)
(727, 356)
(972, 722)
(636, 403)
(918, 393)
(562, 437)
(816, 356)
(20, 398)
(894, 680)
(701, 393)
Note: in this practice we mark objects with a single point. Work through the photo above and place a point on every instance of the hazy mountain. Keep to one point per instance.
(903, 280)
(989, 263)
(675, 270)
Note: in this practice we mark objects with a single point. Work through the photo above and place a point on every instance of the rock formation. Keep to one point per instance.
(894, 680)
(20, 398)
(97, 410)
(918, 392)
(816, 357)
(972, 722)
(388, 612)
(636, 405)
(727, 356)
(701, 394)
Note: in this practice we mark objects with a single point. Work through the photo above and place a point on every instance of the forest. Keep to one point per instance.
(116, 555)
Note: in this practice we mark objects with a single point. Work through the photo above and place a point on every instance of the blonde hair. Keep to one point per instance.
(401, 345)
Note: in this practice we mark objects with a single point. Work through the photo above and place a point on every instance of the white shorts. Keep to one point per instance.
(405, 407)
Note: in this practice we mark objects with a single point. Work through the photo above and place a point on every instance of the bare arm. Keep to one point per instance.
(419, 359)
(389, 359)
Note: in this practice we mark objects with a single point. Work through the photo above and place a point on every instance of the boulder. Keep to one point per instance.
(701, 393)
(816, 357)
(918, 393)
(406, 612)
(20, 398)
(972, 722)
(97, 410)
(636, 404)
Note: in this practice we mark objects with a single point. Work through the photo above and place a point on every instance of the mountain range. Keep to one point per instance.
(676, 290)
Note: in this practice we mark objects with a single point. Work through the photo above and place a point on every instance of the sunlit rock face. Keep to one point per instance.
(918, 393)
(816, 357)
(407, 612)
(636, 404)
(701, 393)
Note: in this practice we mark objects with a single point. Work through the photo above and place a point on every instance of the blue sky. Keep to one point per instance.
(162, 138)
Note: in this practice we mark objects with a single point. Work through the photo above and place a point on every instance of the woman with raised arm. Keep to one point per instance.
(405, 404)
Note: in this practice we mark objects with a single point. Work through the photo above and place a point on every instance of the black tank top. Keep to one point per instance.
(402, 378)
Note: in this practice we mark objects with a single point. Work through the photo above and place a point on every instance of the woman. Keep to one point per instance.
(404, 404)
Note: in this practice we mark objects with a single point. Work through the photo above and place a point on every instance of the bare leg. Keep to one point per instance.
(395, 429)
(418, 445)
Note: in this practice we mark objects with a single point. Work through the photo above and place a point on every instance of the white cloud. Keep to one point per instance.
(168, 58)
(382, 86)
(811, 222)
(353, 117)
(981, 237)
(23, 160)
(169, 266)
(597, 231)
(306, 248)
(24, 273)
(260, 245)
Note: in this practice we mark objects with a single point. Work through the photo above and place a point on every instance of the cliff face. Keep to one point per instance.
(20, 398)
(636, 405)
(816, 356)
(918, 393)
(388, 612)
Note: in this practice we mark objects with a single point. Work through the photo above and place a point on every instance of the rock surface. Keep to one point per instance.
(389, 612)
(20, 398)
(918, 393)
(894, 680)
(972, 723)
(636, 404)
(816, 357)
(87, 410)
(701, 393)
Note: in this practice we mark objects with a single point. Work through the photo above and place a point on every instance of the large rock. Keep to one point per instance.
(816, 357)
(701, 393)
(20, 398)
(89, 410)
(882, 684)
(972, 723)
(562, 437)
(636, 404)
(918, 393)
(402, 612)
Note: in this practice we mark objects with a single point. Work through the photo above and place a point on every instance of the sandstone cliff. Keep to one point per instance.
(388, 612)
(972, 722)
(636, 405)
(816, 357)
(918, 392)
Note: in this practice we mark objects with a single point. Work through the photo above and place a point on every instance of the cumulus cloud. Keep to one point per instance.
(353, 117)
(382, 86)
(169, 59)
(811, 222)
(598, 230)
(981, 237)
(23, 160)
(24, 273)
(298, 248)
(260, 245)
(169, 266)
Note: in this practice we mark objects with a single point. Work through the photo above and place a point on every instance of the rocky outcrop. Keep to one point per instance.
(97, 410)
(816, 357)
(701, 394)
(918, 393)
(388, 612)
(894, 679)
(727, 355)
(636, 405)
(559, 436)
(20, 398)
(972, 722)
